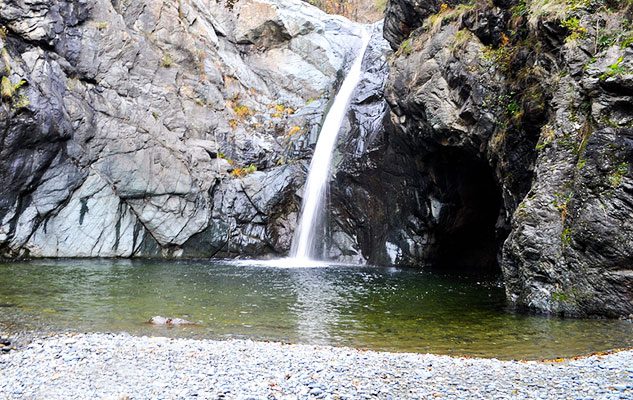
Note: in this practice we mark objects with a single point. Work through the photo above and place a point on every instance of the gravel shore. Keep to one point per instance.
(120, 366)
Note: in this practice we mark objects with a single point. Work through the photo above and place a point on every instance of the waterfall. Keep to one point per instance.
(319, 171)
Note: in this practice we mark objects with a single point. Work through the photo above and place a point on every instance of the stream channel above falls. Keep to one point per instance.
(392, 309)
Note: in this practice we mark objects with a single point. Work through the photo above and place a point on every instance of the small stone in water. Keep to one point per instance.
(158, 320)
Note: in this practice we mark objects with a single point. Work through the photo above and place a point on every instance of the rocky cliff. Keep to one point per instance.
(160, 127)
(521, 115)
(491, 137)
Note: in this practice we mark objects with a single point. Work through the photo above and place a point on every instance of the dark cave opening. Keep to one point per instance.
(468, 236)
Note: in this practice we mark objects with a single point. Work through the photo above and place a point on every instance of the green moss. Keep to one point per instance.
(560, 297)
(166, 61)
(6, 59)
(22, 101)
(8, 90)
(627, 40)
(380, 5)
(405, 48)
(461, 37)
(500, 57)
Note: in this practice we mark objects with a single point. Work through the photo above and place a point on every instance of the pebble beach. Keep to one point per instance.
(121, 366)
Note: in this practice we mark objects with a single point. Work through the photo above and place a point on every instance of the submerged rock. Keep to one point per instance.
(158, 320)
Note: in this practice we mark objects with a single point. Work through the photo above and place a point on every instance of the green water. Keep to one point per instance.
(368, 307)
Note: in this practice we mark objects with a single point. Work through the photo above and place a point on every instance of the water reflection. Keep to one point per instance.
(379, 308)
(316, 306)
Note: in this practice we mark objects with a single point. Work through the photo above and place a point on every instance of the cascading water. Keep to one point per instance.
(319, 172)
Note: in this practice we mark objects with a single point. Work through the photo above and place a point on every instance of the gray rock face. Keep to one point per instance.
(495, 136)
(525, 150)
(404, 16)
(130, 128)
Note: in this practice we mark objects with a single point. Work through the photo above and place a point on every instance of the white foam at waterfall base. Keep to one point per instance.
(312, 208)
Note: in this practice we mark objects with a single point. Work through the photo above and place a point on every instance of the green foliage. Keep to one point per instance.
(555, 9)
(606, 40)
(520, 9)
(8, 89)
(9, 92)
(575, 29)
(621, 35)
(620, 171)
(565, 236)
(614, 69)
(461, 37)
(627, 40)
(513, 108)
(500, 57)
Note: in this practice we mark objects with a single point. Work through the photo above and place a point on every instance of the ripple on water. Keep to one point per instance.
(392, 309)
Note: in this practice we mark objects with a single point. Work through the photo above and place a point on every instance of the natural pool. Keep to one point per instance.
(369, 307)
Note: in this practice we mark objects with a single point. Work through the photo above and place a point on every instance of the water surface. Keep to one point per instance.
(369, 307)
